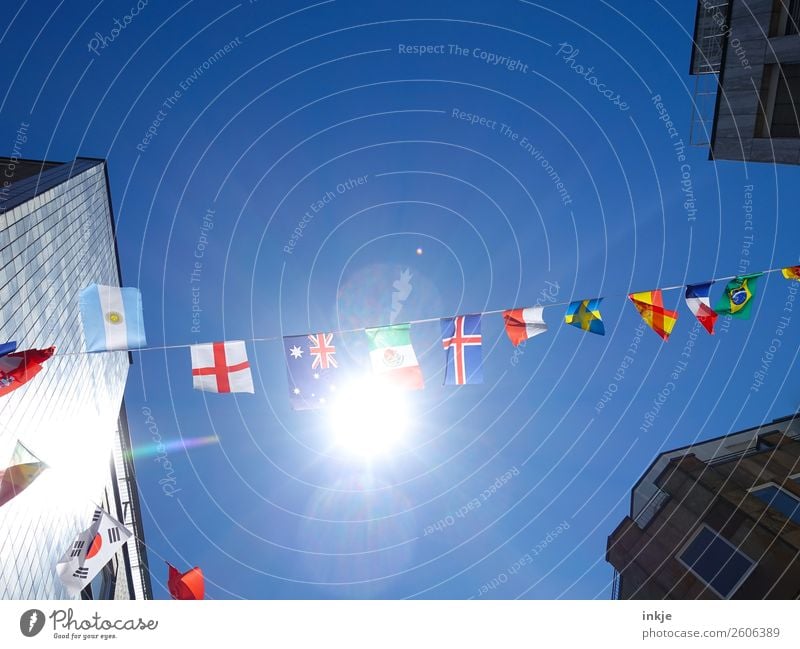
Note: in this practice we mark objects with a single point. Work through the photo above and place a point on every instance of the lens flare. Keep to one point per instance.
(369, 418)
(152, 450)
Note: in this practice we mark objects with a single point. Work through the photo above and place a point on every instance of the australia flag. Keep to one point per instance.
(314, 367)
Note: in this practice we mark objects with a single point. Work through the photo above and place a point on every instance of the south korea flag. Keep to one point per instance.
(90, 551)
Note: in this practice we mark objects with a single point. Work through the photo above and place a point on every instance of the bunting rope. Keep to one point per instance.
(646, 304)
(410, 322)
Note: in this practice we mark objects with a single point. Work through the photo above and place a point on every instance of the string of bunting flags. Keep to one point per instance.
(113, 320)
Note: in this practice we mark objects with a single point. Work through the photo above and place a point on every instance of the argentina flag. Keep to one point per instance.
(112, 318)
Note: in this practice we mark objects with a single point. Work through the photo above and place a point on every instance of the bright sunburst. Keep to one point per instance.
(369, 418)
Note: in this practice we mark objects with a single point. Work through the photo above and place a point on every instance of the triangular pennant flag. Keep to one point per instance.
(90, 551)
(17, 368)
(22, 470)
(112, 318)
(650, 305)
(187, 585)
(738, 296)
(522, 324)
(393, 358)
(698, 302)
(585, 314)
(221, 367)
(461, 339)
(791, 272)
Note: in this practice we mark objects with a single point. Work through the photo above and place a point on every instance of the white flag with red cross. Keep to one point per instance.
(221, 367)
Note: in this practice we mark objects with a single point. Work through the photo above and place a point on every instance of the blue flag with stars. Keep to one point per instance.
(313, 365)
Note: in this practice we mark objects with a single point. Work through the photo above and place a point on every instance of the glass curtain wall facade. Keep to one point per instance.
(57, 237)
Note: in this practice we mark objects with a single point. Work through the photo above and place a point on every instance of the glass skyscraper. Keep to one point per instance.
(57, 237)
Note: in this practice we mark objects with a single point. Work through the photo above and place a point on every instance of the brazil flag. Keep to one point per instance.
(738, 296)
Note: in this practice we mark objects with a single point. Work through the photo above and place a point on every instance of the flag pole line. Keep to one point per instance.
(410, 322)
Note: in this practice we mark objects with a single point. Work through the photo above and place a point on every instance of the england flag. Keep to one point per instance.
(221, 367)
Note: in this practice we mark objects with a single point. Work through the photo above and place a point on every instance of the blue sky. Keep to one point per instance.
(310, 96)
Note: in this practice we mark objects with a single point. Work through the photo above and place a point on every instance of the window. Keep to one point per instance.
(779, 499)
(716, 561)
(780, 98)
(785, 18)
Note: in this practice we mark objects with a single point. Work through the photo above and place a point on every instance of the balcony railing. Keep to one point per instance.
(710, 32)
(615, 586)
(651, 508)
(704, 106)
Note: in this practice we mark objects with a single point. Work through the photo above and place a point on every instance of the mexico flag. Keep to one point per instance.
(393, 358)
(522, 324)
(90, 551)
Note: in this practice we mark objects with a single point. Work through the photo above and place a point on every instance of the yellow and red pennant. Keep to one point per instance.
(792, 272)
(650, 305)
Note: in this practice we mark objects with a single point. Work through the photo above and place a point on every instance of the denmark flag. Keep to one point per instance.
(221, 367)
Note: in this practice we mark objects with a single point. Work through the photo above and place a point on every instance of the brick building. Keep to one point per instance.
(715, 520)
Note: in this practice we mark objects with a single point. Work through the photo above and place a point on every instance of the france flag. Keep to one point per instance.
(112, 318)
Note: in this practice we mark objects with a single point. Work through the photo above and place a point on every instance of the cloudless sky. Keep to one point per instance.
(311, 95)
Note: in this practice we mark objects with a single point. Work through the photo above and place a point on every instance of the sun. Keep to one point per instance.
(369, 418)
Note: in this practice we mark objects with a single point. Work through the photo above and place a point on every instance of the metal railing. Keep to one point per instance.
(615, 586)
(710, 32)
(704, 107)
(651, 508)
